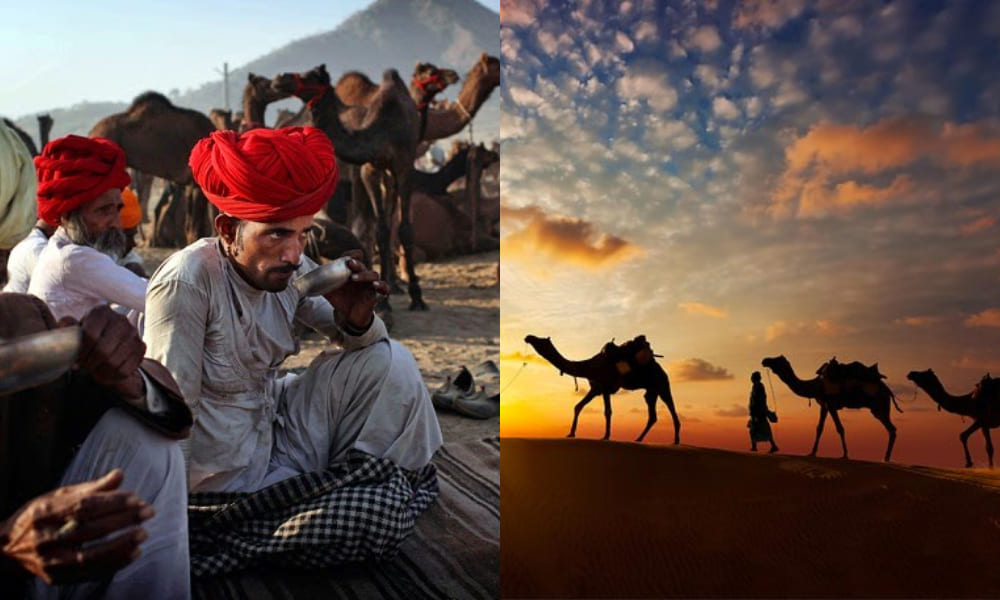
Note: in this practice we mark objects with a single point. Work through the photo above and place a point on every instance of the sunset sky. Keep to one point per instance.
(744, 179)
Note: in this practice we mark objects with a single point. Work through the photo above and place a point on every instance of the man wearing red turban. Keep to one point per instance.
(221, 316)
(79, 190)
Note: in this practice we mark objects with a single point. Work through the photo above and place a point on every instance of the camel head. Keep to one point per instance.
(258, 88)
(776, 363)
(534, 340)
(432, 80)
(922, 377)
(305, 86)
(488, 68)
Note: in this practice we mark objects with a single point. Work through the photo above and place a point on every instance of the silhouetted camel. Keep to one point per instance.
(984, 412)
(833, 396)
(605, 376)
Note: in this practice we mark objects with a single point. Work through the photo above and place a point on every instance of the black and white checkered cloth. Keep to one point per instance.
(360, 509)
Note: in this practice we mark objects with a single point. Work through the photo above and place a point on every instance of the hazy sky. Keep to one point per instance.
(60, 52)
(742, 179)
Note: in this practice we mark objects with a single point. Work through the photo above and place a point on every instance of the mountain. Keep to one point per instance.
(387, 34)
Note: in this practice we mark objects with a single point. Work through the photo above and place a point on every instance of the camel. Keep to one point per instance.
(606, 375)
(44, 129)
(445, 119)
(28, 142)
(834, 396)
(221, 119)
(157, 138)
(984, 412)
(257, 94)
(384, 133)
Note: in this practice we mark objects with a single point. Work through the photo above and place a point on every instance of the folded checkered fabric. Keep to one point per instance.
(359, 509)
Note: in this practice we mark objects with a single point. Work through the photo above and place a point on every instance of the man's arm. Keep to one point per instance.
(176, 319)
(89, 270)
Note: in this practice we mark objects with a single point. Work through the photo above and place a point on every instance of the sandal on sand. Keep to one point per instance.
(475, 404)
(486, 370)
(444, 396)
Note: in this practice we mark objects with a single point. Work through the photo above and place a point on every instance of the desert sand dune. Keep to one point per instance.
(585, 518)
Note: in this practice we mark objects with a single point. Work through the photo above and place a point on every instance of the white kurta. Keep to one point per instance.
(72, 279)
(22, 261)
(223, 341)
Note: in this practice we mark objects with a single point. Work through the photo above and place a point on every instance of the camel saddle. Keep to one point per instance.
(850, 377)
(631, 355)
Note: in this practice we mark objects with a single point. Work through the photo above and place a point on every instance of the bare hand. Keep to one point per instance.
(354, 302)
(46, 535)
(111, 350)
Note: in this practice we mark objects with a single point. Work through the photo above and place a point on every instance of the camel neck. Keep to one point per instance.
(961, 405)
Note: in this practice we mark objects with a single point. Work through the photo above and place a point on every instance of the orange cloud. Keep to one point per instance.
(978, 225)
(822, 166)
(919, 321)
(697, 308)
(522, 357)
(697, 369)
(566, 239)
(988, 318)
(980, 364)
(518, 12)
(823, 327)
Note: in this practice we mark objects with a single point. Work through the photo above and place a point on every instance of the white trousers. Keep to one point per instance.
(154, 470)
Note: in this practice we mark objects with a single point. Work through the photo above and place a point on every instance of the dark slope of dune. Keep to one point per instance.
(604, 519)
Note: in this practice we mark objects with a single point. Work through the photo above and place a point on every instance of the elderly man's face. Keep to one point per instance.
(98, 224)
(103, 212)
(267, 254)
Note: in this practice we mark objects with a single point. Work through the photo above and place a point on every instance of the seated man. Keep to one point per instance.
(220, 314)
(79, 188)
(24, 257)
(82, 433)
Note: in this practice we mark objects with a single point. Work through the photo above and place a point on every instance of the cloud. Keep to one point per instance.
(623, 44)
(518, 12)
(735, 410)
(524, 96)
(522, 357)
(724, 108)
(697, 369)
(647, 80)
(980, 224)
(570, 240)
(697, 308)
(705, 38)
(987, 318)
(919, 321)
(822, 327)
(767, 14)
(822, 167)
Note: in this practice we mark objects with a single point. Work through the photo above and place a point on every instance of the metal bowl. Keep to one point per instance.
(324, 279)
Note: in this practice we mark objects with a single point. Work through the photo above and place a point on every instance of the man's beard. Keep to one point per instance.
(112, 242)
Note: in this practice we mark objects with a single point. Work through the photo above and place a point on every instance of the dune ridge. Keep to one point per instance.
(585, 518)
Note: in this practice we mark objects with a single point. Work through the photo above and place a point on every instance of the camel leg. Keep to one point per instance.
(883, 417)
(840, 430)
(668, 399)
(650, 397)
(579, 407)
(819, 429)
(989, 445)
(607, 416)
(372, 185)
(964, 436)
(404, 185)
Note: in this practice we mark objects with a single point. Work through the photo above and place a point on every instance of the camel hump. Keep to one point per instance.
(151, 98)
(852, 371)
(391, 76)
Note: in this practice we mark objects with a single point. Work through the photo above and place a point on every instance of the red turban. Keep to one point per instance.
(74, 170)
(266, 175)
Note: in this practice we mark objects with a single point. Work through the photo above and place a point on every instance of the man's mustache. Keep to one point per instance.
(285, 269)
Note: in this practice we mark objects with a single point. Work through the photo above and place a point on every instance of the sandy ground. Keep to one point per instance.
(585, 518)
(462, 327)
